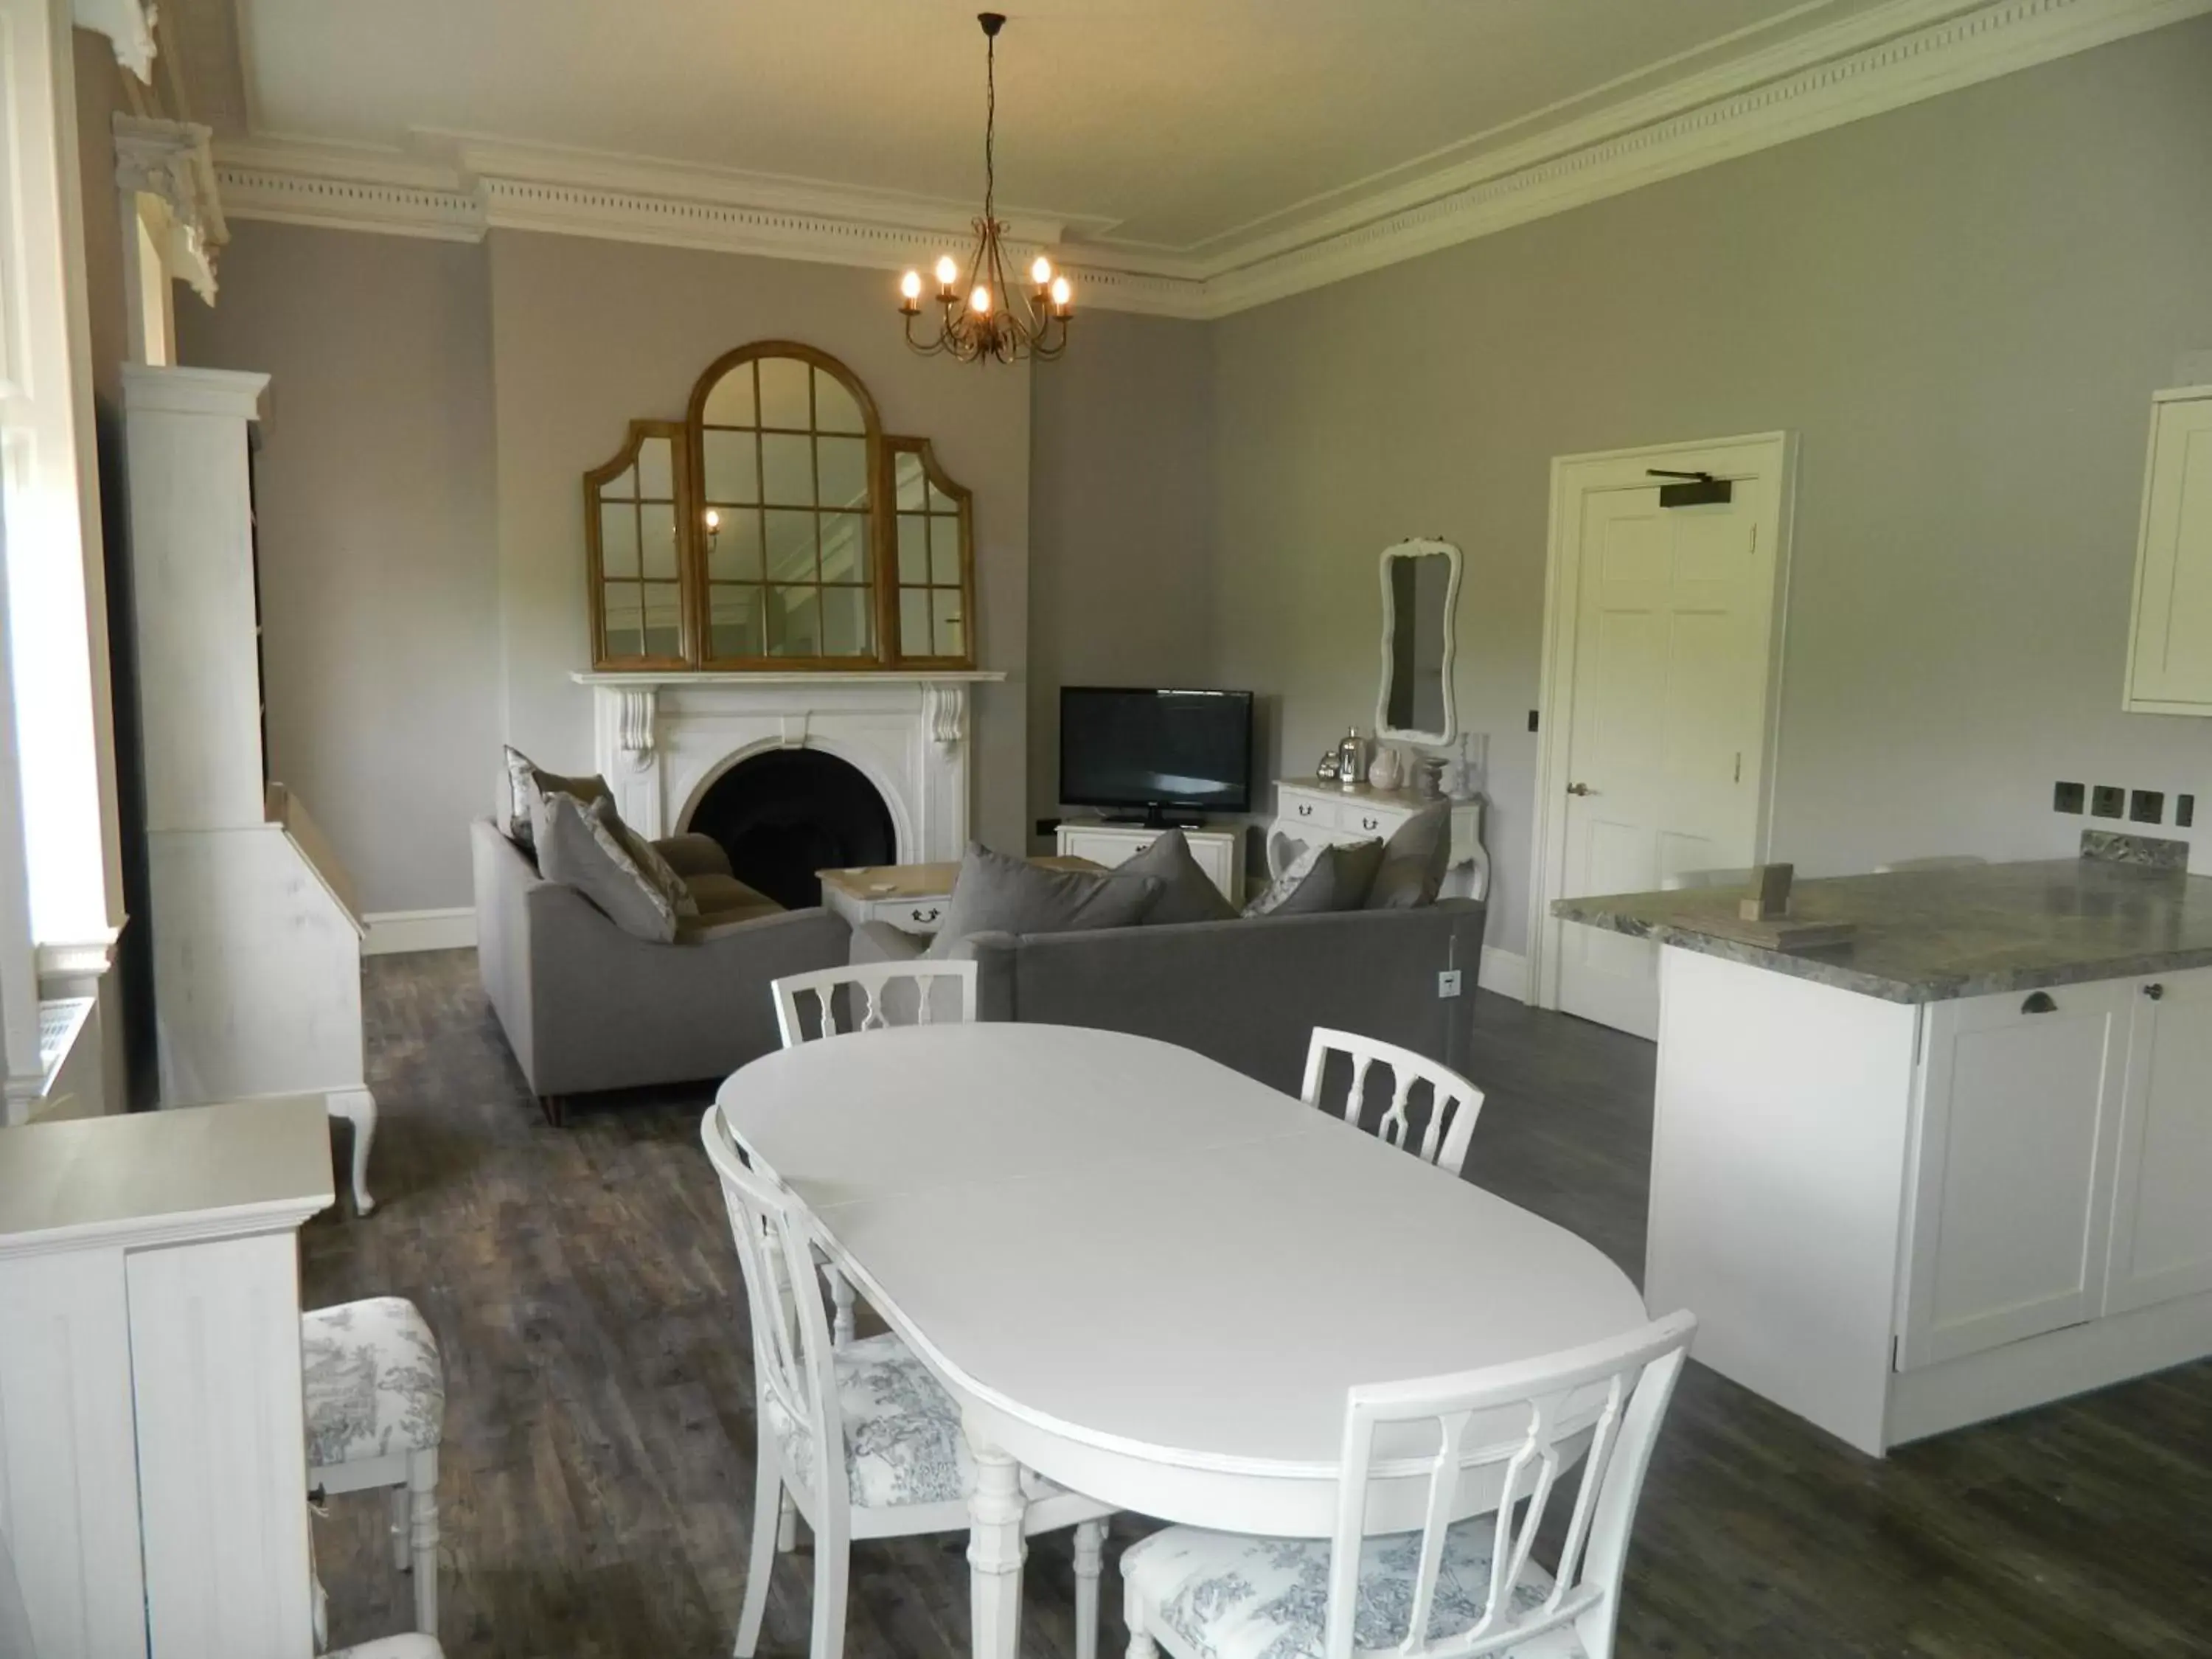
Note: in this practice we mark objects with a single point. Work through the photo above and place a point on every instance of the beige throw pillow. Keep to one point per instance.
(996, 894)
(1413, 860)
(527, 784)
(1321, 878)
(584, 845)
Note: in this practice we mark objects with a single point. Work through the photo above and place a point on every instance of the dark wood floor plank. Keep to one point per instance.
(597, 1476)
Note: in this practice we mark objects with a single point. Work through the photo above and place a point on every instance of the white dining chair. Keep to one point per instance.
(1454, 1104)
(375, 1398)
(1399, 1574)
(1933, 861)
(871, 985)
(870, 1411)
(870, 1002)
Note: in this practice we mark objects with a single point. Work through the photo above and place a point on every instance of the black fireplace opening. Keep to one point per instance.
(786, 814)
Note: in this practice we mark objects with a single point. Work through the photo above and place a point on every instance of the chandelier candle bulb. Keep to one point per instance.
(1060, 295)
(947, 275)
(979, 300)
(911, 292)
(1041, 273)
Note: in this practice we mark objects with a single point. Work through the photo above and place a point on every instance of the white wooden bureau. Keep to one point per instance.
(153, 1450)
(1307, 811)
(1219, 852)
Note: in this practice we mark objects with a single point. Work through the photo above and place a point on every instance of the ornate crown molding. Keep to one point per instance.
(169, 162)
(129, 25)
(1893, 55)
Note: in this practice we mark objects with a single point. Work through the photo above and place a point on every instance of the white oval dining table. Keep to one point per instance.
(1145, 1276)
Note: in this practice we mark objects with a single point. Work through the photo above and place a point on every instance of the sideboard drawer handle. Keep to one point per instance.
(1304, 810)
(2038, 1002)
(929, 915)
(2154, 992)
(1370, 823)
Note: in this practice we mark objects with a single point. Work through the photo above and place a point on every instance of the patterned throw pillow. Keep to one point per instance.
(588, 846)
(527, 784)
(1326, 876)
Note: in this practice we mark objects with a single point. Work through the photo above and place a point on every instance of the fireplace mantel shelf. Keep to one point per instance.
(795, 676)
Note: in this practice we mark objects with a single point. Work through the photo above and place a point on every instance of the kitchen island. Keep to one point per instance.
(1954, 1166)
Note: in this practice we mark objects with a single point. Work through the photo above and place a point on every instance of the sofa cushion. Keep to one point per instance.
(527, 784)
(725, 898)
(1413, 860)
(1186, 892)
(588, 846)
(996, 894)
(1326, 876)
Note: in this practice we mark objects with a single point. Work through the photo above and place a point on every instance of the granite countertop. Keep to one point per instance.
(1929, 935)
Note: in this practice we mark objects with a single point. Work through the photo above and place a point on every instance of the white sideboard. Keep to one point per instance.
(153, 1453)
(1307, 811)
(1219, 852)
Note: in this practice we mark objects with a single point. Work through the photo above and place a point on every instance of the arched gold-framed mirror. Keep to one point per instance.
(786, 531)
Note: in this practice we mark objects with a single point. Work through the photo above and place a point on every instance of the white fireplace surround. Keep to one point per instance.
(661, 740)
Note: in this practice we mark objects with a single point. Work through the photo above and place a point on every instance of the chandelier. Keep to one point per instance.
(986, 319)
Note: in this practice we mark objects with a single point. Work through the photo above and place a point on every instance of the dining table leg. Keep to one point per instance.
(995, 1549)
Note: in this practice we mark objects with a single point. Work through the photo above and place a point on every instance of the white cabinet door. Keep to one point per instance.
(2170, 656)
(2020, 1106)
(2162, 1193)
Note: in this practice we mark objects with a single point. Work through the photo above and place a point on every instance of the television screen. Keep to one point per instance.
(1155, 750)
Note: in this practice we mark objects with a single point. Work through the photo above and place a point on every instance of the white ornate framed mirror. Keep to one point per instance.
(1420, 590)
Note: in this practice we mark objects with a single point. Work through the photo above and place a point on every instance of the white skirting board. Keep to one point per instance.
(1505, 972)
(396, 933)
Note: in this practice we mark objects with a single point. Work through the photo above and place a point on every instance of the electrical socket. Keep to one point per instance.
(2107, 800)
(1448, 982)
(2146, 807)
(2185, 812)
(2068, 797)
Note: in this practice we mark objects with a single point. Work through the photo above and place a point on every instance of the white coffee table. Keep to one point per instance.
(909, 897)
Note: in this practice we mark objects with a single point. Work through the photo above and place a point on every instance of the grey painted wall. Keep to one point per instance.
(375, 488)
(1961, 307)
(588, 334)
(1120, 496)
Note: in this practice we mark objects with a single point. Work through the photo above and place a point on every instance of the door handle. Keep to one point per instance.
(2154, 992)
(1580, 789)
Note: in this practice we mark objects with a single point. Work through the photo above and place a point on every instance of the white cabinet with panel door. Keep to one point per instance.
(1219, 852)
(2170, 648)
(2161, 1238)
(2020, 1113)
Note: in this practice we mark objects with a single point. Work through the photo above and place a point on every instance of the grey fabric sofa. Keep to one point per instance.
(1247, 993)
(586, 1006)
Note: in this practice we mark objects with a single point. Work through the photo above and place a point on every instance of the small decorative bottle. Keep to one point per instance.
(1349, 762)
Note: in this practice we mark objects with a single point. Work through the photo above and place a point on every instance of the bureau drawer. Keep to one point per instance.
(1318, 812)
(910, 916)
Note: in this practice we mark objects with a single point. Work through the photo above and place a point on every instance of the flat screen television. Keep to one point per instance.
(1162, 752)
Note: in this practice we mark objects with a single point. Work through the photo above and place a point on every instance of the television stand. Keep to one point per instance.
(1151, 818)
(1219, 852)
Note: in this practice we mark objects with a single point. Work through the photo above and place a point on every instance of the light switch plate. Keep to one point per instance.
(1448, 982)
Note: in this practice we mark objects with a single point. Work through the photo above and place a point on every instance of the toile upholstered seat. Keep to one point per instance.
(1226, 1595)
(376, 1410)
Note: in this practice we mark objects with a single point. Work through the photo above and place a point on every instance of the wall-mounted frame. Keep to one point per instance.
(802, 536)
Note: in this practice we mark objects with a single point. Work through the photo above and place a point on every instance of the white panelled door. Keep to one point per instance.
(1666, 720)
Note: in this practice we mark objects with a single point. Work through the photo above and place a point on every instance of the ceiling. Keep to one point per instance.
(1182, 129)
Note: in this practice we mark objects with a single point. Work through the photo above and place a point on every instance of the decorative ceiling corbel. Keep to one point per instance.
(169, 161)
(129, 24)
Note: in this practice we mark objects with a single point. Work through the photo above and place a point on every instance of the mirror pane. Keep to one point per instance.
(783, 388)
(733, 546)
(946, 613)
(1419, 623)
(664, 619)
(617, 539)
(625, 613)
(844, 547)
(794, 622)
(914, 622)
(786, 469)
(908, 483)
(845, 621)
(656, 471)
(841, 464)
(945, 550)
(913, 550)
(622, 486)
(731, 462)
(790, 546)
(835, 408)
(737, 620)
(731, 401)
(657, 528)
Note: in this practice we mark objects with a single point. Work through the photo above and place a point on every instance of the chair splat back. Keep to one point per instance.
(868, 988)
(1613, 1392)
(1443, 1131)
